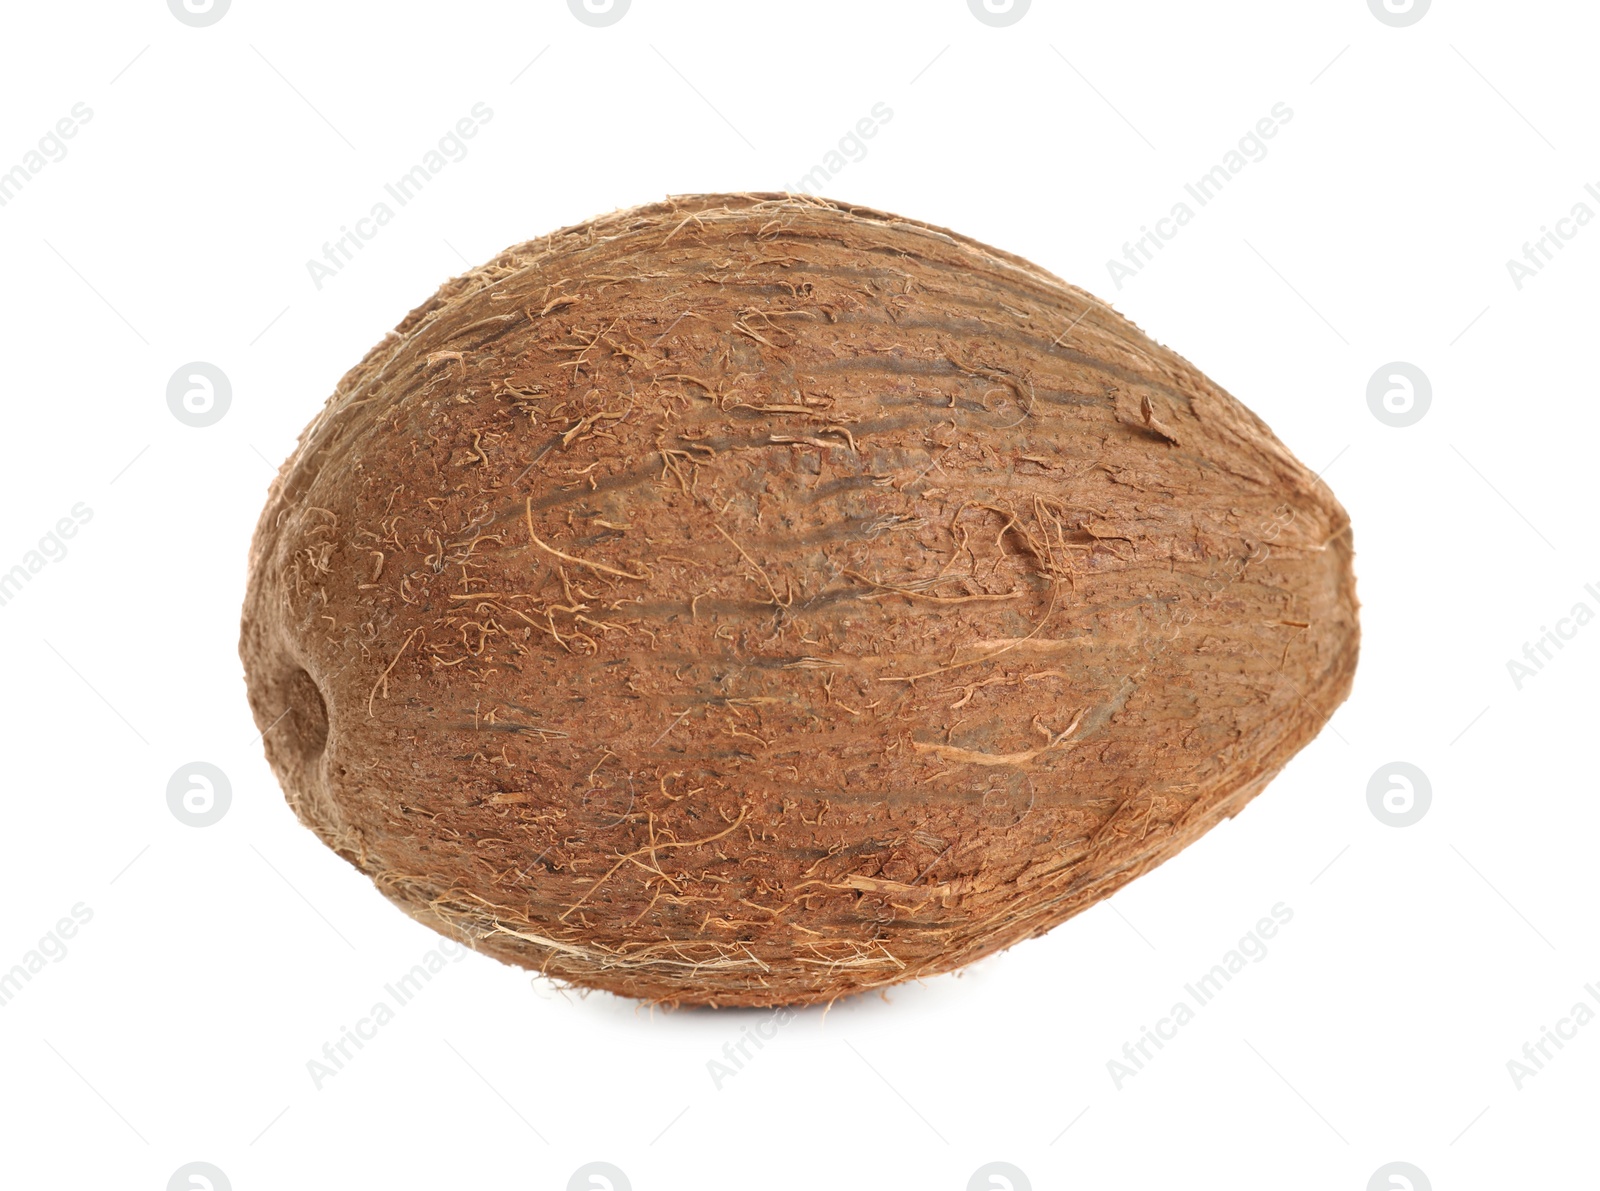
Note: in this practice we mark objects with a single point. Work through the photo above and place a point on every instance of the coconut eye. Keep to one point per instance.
(304, 725)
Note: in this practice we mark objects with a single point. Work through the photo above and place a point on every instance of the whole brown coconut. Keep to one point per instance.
(754, 599)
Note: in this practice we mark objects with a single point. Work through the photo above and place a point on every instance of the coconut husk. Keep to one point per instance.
(756, 599)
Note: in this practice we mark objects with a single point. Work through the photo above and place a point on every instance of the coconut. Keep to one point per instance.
(756, 599)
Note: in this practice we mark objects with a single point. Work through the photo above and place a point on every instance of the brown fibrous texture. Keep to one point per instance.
(756, 599)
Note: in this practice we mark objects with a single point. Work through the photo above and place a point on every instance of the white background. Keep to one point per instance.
(218, 961)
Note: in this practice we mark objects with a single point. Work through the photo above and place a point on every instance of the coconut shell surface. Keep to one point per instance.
(756, 599)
